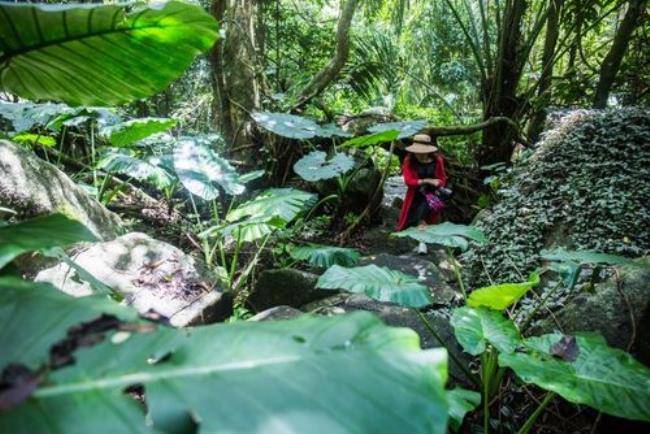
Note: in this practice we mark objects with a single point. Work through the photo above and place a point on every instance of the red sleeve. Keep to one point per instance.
(410, 175)
(440, 171)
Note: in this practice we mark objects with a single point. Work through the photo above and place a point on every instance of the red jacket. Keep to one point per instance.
(411, 179)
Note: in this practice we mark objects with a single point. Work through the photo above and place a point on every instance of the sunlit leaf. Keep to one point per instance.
(371, 139)
(286, 125)
(128, 132)
(405, 128)
(99, 54)
(325, 256)
(380, 283)
(446, 234)
(315, 166)
(284, 203)
(503, 295)
(476, 327)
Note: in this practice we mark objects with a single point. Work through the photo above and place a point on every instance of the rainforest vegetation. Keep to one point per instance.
(198, 209)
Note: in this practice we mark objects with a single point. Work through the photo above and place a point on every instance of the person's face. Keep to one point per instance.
(423, 158)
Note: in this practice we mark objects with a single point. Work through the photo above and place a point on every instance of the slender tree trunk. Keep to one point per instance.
(500, 93)
(326, 75)
(544, 88)
(612, 62)
(235, 84)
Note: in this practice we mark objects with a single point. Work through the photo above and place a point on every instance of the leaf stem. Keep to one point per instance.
(435, 334)
(542, 302)
(533, 417)
(459, 278)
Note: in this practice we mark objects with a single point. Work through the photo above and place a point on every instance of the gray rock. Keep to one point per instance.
(285, 287)
(378, 240)
(32, 186)
(151, 274)
(277, 313)
(399, 316)
(425, 270)
(606, 311)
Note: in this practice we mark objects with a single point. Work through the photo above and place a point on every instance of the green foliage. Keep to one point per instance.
(325, 256)
(283, 203)
(33, 316)
(34, 139)
(40, 233)
(125, 162)
(202, 170)
(476, 327)
(584, 257)
(315, 166)
(126, 133)
(371, 139)
(189, 379)
(286, 125)
(503, 295)
(605, 378)
(405, 128)
(24, 116)
(100, 54)
(461, 402)
(380, 283)
(446, 234)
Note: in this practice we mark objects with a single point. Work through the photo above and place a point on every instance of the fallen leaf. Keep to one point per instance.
(566, 348)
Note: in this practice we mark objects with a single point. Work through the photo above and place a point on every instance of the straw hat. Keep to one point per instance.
(422, 145)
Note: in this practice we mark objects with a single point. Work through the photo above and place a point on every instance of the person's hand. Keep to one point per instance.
(434, 182)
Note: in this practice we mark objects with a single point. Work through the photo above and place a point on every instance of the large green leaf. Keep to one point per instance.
(371, 139)
(248, 230)
(605, 378)
(25, 115)
(201, 170)
(286, 125)
(125, 162)
(461, 402)
(318, 375)
(33, 316)
(39, 233)
(476, 327)
(584, 257)
(446, 234)
(405, 128)
(99, 55)
(285, 203)
(325, 256)
(503, 295)
(128, 132)
(380, 283)
(315, 166)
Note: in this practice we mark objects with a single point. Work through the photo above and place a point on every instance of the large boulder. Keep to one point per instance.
(428, 273)
(32, 186)
(585, 187)
(152, 275)
(607, 311)
(285, 286)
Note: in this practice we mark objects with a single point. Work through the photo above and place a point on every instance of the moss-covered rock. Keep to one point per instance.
(31, 186)
(586, 186)
(609, 311)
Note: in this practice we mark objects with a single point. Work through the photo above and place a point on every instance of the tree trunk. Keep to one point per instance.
(500, 92)
(326, 75)
(536, 124)
(235, 81)
(612, 62)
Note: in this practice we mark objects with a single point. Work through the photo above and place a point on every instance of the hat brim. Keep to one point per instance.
(421, 148)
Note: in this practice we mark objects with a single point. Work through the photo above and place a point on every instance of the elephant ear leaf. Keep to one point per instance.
(315, 166)
(379, 283)
(501, 296)
(476, 327)
(100, 54)
(592, 373)
(192, 384)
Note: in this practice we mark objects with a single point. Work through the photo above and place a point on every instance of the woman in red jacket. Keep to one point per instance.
(424, 172)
